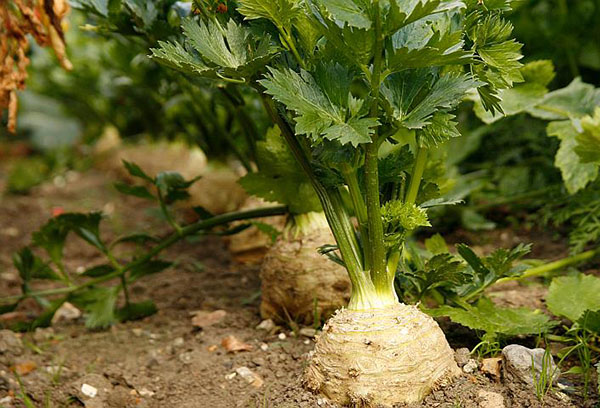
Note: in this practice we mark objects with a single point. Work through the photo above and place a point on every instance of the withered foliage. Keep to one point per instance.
(42, 20)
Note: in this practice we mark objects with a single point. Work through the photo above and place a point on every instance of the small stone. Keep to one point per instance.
(264, 346)
(152, 363)
(306, 341)
(308, 332)
(492, 367)
(266, 325)
(137, 332)
(178, 342)
(471, 366)
(43, 333)
(520, 363)
(250, 376)
(186, 358)
(212, 348)
(259, 361)
(89, 391)
(55, 370)
(11, 232)
(66, 312)
(203, 318)
(10, 343)
(230, 376)
(462, 356)
(145, 392)
(6, 400)
(281, 336)
(279, 374)
(489, 399)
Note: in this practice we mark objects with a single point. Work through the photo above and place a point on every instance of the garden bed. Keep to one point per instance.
(163, 360)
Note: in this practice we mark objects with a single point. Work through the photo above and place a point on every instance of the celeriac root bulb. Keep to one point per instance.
(298, 283)
(250, 245)
(380, 357)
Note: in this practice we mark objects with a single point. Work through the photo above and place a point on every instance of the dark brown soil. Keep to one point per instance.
(163, 361)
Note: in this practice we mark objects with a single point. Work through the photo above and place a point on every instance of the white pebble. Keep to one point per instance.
(89, 391)
(264, 346)
(282, 336)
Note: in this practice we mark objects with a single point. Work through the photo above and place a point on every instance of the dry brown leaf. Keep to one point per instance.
(25, 368)
(203, 318)
(42, 19)
(232, 344)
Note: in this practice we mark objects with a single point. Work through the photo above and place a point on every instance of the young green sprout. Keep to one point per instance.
(362, 92)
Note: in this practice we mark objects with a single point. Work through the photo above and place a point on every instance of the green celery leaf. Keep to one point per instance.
(99, 7)
(491, 319)
(487, 270)
(230, 51)
(136, 311)
(522, 97)
(8, 307)
(52, 237)
(421, 45)
(441, 129)
(571, 296)
(136, 191)
(32, 267)
(137, 238)
(99, 304)
(317, 116)
(576, 100)
(354, 13)
(148, 268)
(394, 166)
(267, 229)
(588, 140)
(172, 186)
(143, 10)
(436, 244)
(280, 178)
(98, 270)
(398, 14)
(443, 93)
(281, 12)
(590, 320)
(440, 270)
(575, 173)
(136, 171)
(86, 226)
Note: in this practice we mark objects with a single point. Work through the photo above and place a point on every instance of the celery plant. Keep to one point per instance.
(343, 78)
(350, 83)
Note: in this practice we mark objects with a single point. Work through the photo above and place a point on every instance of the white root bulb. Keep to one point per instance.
(380, 357)
(299, 283)
(251, 245)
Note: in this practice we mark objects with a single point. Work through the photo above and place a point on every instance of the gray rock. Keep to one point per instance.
(525, 365)
(11, 346)
(471, 366)
(462, 356)
(10, 343)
